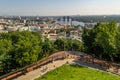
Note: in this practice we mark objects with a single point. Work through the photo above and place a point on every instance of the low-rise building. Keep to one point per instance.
(3, 31)
(23, 28)
(1, 27)
(34, 28)
(10, 28)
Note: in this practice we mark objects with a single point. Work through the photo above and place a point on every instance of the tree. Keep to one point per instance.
(5, 58)
(106, 39)
(27, 49)
(47, 47)
(61, 44)
(117, 58)
(73, 44)
(101, 40)
(77, 45)
(88, 38)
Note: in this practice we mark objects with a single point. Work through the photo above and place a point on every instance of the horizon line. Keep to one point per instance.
(69, 15)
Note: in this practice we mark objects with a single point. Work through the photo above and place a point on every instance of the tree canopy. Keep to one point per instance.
(102, 40)
(19, 49)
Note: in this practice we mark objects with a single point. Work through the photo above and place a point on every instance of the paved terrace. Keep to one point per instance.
(70, 58)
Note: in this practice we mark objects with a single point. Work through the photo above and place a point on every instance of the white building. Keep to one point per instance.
(66, 20)
(10, 28)
(33, 28)
(23, 29)
(1, 27)
(76, 23)
(3, 31)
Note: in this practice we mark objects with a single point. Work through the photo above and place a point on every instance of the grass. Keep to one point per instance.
(75, 72)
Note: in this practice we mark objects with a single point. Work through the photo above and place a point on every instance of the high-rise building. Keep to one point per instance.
(66, 20)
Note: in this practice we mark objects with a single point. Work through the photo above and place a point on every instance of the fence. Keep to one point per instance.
(50, 59)
(111, 67)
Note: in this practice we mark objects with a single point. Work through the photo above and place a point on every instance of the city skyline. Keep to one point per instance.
(59, 7)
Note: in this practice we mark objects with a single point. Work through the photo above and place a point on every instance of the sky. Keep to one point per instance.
(59, 7)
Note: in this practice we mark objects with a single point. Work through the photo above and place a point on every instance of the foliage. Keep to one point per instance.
(60, 44)
(68, 44)
(47, 47)
(5, 58)
(19, 49)
(103, 40)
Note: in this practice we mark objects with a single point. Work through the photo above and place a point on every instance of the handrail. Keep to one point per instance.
(24, 68)
(61, 55)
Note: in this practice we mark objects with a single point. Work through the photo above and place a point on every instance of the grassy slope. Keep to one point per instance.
(74, 72)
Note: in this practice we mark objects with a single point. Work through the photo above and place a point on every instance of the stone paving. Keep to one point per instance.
(41, 71)
(50, 66)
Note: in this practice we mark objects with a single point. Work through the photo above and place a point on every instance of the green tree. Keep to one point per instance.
(47, 47)
(5, 58)
(27, 49)
(88, 38)
(101, 40)
(61, 44)
(105, 38)
(77, 45)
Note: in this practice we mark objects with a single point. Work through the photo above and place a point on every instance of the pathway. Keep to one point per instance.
(39, 72)
(50, 66)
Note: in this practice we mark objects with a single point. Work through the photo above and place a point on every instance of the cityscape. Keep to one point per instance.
(59, 40)
(50, 27)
